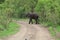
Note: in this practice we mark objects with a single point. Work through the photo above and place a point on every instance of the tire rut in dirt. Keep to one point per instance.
(31, 32)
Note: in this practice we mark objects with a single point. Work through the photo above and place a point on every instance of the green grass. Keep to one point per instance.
(58, 28)
(58, 39)
(12, 29)
(50, 27)
(47, 24)
(51, 31)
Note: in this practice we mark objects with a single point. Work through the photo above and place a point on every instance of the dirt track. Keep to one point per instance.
(30, 32)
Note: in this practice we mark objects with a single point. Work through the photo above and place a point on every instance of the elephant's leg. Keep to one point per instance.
(30, 20)
(36, 21)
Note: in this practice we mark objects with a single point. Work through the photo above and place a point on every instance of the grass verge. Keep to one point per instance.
(12, 29)
(52, 30)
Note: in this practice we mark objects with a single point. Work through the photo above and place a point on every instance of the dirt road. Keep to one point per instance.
(30, 32)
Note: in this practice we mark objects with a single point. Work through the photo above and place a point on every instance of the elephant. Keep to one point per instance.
(32, 16)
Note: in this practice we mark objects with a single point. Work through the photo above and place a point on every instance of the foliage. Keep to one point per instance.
(48, 11)
(1, 1)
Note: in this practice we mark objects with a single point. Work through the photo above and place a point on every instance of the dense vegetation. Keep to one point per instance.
(48, 10)
(6, 24)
